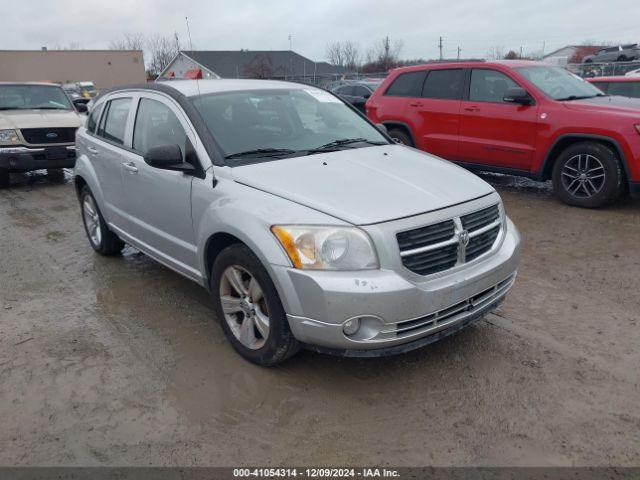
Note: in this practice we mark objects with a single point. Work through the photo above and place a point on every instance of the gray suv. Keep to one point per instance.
(619, 53)
(307, 224)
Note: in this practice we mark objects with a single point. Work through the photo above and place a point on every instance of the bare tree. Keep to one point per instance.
(344, 54)
(161, 50)
(351, 55)
(334, 54)
(130, 41)
(260, 67)
(383, 55)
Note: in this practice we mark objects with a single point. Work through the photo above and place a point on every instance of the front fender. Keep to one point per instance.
(247, 214)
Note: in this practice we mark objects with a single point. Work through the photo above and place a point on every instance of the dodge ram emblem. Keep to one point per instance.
(464, 238)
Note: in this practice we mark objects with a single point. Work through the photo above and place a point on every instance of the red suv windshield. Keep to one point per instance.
(558, 83)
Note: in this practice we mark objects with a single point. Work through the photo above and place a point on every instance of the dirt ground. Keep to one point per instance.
(120, 361)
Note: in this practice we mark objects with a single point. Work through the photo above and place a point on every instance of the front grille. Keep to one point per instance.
(481, 218)
(39, 136)
(454, 313)
(439, 247)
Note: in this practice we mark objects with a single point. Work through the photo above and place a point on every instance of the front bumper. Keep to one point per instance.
(394, 309)
(24, 159)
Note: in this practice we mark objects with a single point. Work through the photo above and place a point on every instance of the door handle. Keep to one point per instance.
(472, 109)
(130, 167)
(92, 150)
(416, 104)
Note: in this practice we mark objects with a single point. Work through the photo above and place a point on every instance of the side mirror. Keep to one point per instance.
(81, 107)
(168, 157)
(382, 128)
(517, 95)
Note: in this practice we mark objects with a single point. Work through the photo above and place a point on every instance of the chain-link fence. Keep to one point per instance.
(612, 69)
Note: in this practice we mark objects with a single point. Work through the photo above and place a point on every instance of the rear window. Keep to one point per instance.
(407, 84)
(444, 84)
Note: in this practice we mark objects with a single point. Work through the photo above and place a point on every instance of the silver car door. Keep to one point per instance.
(105, 151)
(158, 202)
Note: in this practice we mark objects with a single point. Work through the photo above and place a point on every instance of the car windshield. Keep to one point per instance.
(292, 122)
(27, 97)
(558, 83)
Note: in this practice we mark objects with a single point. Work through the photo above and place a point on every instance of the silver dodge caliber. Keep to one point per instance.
(307, 224)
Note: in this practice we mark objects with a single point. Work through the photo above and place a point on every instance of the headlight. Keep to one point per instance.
(327, 248)
(9, 137)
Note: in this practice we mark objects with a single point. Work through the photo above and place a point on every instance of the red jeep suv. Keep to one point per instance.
(517, 117)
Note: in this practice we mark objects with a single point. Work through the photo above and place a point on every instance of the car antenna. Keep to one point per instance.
(186, 19)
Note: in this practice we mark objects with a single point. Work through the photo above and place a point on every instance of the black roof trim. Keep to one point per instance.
(213, 149)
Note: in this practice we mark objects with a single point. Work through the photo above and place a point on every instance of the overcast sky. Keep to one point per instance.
(475, 25)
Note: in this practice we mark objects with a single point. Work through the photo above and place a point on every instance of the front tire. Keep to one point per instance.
(249, 308)
(102, 240)
(588, 175)
(401, 137)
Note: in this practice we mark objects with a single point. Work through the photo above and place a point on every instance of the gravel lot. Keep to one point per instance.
(120, 361)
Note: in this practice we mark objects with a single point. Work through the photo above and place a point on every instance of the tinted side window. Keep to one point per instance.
(489, 86)
(92, 122)
(115, 120)
(360, 91)
(444, 84)
(626, 89)
(407, 84)
(157, 126)
(346, 90)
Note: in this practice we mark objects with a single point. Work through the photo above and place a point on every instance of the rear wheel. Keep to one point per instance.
(249, 308)
(103, 240)
(400, 136)
(588, 175)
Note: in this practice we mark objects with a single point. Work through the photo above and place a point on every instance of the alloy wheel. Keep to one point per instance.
(92, 220)
(583, 176)
(244, 307)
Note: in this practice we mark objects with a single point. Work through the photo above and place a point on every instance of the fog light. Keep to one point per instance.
(351, 326)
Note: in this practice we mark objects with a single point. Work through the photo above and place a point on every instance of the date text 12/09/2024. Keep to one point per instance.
(315, 473)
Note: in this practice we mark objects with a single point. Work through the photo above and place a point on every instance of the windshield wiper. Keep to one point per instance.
(48, 108)
(336, 144)
(344, 141)
(579, 97)
(262, 152)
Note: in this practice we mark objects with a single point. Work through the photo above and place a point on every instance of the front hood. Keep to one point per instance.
(17, 119)
(366, 185)
(610, 104)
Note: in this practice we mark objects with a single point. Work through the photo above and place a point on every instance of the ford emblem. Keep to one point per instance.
(52, 135)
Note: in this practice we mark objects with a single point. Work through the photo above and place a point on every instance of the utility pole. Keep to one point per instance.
(440, 47)
(291, 42)
(459, 50)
